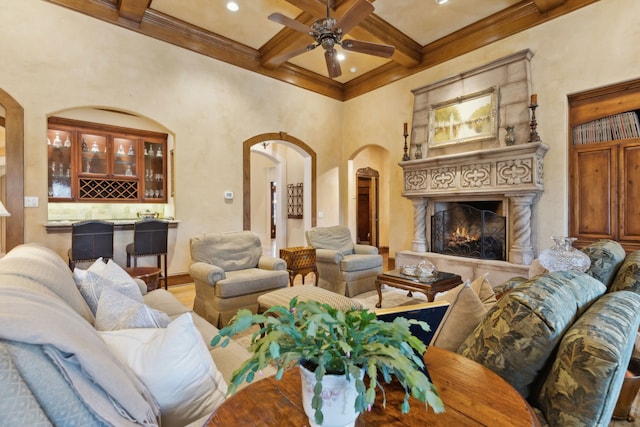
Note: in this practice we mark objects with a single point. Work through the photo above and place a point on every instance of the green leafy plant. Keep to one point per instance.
(329, 341)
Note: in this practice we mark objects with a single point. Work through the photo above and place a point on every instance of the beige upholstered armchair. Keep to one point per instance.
(230, 273)
(344, 267)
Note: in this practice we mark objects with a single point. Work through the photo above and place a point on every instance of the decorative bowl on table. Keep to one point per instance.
(425, 269)
(148, 214)
(408, 270)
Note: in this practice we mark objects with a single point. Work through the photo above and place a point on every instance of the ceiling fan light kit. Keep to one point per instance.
(328, 32)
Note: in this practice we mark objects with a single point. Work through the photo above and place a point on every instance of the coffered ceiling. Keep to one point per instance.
(423, 33)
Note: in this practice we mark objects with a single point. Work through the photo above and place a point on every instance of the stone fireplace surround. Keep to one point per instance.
(512, 175)
(486, 170)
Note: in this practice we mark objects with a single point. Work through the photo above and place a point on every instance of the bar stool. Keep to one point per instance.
(90, 240)
(149, 239)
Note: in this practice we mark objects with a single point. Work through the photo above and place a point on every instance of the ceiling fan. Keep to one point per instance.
(328, 32)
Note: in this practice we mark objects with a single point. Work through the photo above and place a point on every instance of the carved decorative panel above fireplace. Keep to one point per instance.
(482, 170)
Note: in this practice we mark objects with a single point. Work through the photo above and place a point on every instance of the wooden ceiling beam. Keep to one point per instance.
(373, 28)
(319, 10)
(546, 5)
(519, 17)
(133, 10)
(510, 21)
(287, 40)
(407, 53)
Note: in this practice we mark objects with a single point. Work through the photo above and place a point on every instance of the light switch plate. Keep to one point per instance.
(228, 195)
(31, 201)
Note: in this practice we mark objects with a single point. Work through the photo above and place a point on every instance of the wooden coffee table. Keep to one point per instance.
(472, 394)
(440, 281)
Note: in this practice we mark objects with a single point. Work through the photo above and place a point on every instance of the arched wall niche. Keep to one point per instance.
(115, 116)
(246, 171)
(14, 146)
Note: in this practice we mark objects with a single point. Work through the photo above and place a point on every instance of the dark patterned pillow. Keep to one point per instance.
(521, 331)
(507, 286)
(592, 358)
(628, 277)
(606, 256)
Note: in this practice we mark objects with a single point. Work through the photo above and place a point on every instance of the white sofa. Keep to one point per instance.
(58, 369)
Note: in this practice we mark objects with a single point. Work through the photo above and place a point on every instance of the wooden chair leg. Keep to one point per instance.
(166, 272)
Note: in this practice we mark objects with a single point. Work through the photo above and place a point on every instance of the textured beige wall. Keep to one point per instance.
(593, 47)
(67, 60)
(55, 59)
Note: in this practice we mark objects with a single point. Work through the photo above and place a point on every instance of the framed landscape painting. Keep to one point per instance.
(467, 118)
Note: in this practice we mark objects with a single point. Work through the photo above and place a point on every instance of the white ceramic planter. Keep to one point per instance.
(338, 399)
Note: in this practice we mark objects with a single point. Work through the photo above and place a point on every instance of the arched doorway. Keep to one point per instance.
(368, 171)
(246, 167)
(14, 193)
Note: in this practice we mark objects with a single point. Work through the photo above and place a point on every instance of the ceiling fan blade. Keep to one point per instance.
(352, 17)
(377, 49)
(333, 65)
(291, 23)
(284, 57)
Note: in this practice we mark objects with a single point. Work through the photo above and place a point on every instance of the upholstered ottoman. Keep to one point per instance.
(305, 293)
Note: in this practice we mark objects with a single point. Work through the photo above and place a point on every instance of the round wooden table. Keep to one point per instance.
(472, 394)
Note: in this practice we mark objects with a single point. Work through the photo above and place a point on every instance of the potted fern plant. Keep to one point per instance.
(325, 343)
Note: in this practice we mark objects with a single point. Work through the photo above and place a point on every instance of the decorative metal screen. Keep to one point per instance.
(110, 189)
(294, 200)
(469, 232)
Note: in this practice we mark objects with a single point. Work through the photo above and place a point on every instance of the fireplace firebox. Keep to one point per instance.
(469, 231)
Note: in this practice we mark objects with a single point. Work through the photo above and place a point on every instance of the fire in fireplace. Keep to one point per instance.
(469, 231)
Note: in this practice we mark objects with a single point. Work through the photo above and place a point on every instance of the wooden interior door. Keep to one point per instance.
(367, 206)
(274, 211)
(364, 210)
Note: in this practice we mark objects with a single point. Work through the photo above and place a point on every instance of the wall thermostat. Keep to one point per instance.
(228, 195)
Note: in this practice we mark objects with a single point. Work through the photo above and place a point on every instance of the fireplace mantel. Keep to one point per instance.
(512, 169)
(513, 173)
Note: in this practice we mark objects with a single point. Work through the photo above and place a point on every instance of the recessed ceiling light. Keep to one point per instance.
(341, 57)
(233, 6)
(353, 69)
(441, 1)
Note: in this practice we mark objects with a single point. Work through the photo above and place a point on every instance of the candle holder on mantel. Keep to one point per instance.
(405, 157)
(533, 135)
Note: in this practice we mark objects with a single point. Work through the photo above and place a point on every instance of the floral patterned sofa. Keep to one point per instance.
(564, 339)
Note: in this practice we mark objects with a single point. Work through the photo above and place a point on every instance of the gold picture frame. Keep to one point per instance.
(466, 118)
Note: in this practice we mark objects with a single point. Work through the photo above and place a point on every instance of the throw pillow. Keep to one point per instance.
(117, 311)
(93, 285)
(484, 290)
(98, 267)
(464, 314)
(175, 364)
(468, 304)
